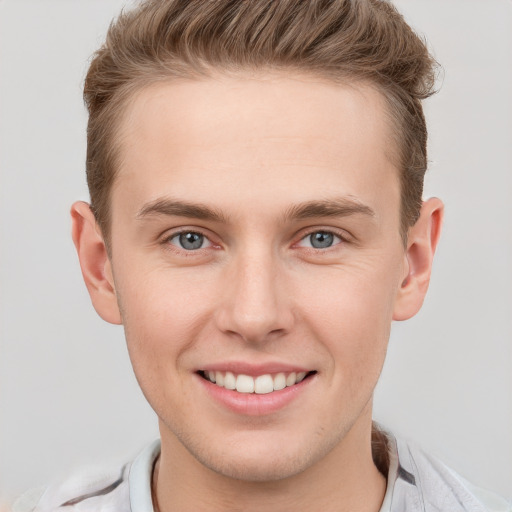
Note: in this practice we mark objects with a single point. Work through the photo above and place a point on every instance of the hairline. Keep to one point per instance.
(119, 109)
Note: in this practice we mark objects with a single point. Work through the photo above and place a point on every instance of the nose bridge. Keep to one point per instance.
(255, 305)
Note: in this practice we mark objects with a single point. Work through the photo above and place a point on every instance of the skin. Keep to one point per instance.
(254, 150)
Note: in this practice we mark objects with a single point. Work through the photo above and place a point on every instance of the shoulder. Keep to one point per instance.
(122, 489)
(92, 490)
(435, 487)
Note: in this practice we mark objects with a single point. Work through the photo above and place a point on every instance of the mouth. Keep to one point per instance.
(259, 384)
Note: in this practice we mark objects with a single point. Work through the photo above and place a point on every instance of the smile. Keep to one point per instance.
(261, 384)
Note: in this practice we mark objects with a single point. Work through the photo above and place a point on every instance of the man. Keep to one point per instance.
(256, 223)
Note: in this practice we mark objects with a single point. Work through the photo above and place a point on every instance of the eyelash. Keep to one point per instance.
(342, 239)
(167, 241)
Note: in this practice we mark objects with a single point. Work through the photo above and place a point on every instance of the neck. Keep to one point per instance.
(346, 479)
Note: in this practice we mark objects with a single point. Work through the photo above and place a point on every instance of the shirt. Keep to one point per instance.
(416, 482)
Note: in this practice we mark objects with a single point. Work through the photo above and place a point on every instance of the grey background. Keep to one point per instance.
(67, 393)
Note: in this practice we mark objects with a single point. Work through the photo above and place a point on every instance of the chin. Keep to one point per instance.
(257, 469)
(259, 462)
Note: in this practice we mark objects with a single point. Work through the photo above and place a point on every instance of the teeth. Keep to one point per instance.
(290, 380)
(244, 384)
(229, 381)
(279, 381)
(260, 385)
(263, 384)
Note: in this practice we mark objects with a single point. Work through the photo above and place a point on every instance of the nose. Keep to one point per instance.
(255, 306)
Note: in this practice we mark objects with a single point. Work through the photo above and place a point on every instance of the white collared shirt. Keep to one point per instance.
(416, 483)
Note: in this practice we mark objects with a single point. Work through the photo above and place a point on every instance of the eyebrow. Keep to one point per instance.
(171, 207)
(339, 207)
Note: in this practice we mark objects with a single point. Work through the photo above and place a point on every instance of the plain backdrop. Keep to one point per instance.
(67, 393)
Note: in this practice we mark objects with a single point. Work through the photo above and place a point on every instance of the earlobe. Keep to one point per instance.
(94, 262)
(421, 245)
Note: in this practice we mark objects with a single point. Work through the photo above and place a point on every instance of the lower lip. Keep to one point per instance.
(254, 404)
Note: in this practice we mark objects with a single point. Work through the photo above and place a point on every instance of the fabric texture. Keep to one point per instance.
(417, 482)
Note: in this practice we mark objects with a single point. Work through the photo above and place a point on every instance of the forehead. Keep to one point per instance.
(284, 137)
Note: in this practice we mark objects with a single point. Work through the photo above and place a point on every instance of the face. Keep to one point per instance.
(255, 243)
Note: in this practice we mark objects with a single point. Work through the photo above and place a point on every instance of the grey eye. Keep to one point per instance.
(321, 239)
(190, 241)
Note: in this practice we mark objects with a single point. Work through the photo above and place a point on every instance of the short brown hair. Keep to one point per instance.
(342, 40)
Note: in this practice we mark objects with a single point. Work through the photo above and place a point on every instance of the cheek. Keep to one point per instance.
(350, 311)
(161, 313)
(163, 300)
(160, 323)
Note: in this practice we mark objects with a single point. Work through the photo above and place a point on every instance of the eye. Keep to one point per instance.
(190, 241)
(320, 240)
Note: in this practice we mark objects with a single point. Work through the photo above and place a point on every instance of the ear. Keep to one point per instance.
(421, 245)
(94, 262)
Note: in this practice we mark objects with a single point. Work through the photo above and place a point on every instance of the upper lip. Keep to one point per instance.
(253, 370)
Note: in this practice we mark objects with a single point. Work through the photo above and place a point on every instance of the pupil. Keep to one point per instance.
(191, 241)
(321, 239)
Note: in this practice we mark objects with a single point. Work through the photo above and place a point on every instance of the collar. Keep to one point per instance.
(139, 480)
(141, 472)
